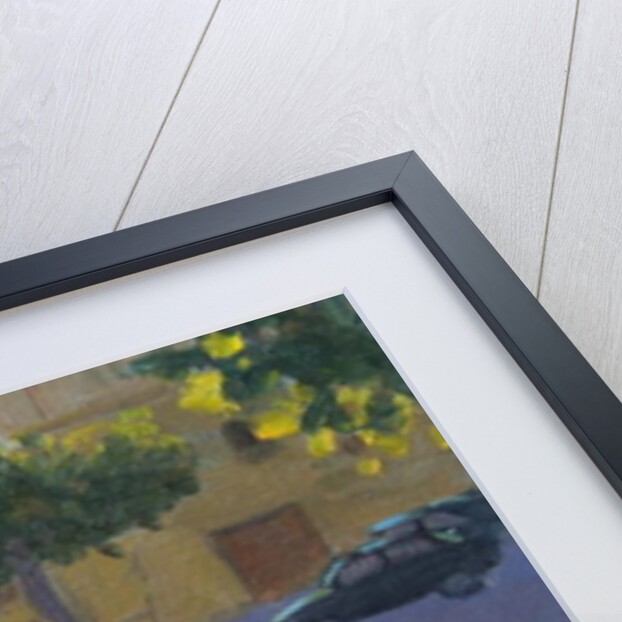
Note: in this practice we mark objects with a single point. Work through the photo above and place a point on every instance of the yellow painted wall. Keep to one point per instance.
(176, 575)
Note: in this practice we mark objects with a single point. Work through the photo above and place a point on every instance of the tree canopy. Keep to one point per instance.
(314, 370)
(61, 495)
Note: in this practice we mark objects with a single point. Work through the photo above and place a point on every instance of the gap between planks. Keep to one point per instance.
(166, 115)
(547, 218)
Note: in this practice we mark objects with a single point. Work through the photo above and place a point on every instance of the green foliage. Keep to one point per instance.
(319, 345)
(60, 496)
(322, 350)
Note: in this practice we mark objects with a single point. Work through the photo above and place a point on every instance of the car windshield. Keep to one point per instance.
(443, 520)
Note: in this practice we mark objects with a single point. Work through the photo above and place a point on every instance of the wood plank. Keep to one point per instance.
(582, 275)
(84, 87)
(282, 91)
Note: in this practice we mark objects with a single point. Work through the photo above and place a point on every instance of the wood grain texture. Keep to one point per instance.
(84, 87)
(582, 271)
(282, 91)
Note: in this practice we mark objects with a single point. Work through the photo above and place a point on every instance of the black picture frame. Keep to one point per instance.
(581, 399)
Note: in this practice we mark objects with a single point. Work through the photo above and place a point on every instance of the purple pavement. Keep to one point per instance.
(515, 593)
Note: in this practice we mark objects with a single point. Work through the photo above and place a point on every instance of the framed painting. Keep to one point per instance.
(330, 401)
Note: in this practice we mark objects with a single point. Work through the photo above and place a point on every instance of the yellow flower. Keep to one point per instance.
(203, 391)
(18, 456)
(437, 438)
(301, 392)
(354, 402)
(406, 422)
(369, 466)
(85, 438)
(322, 442)
(368, 436)
(48, 442)
(283, 419)
(243, 363)
(136, 424)
(392, 444)
(223, 345)
(403, 401)
(406, 410)
(348, 396)
(274, 424)
(359, 418)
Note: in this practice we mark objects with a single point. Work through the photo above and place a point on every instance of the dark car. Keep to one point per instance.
(447, 547)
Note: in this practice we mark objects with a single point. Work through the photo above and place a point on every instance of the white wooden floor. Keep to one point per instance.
(116, 113)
